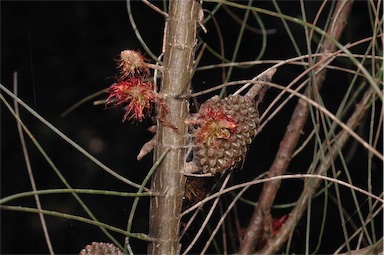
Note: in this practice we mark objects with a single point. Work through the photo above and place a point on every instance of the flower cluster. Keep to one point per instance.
(223, 129)
(132, 89)
(132, 63)
(101, 248)
(213, 124)
(136, 93)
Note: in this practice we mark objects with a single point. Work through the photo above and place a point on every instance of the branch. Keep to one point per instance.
(169, 180)
(310, 187)
(291, 137)
(376, 249)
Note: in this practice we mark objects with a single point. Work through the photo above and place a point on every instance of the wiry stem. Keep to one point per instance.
(29, 169)
(169, 180)
(291, 137)
(312, 186)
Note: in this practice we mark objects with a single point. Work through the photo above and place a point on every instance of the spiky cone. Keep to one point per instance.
(101, 249)
(223, 131)
(132, 63)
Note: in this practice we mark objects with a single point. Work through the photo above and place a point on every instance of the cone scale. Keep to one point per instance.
(224, 128)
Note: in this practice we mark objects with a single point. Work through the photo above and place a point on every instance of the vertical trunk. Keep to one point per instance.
(169, 180)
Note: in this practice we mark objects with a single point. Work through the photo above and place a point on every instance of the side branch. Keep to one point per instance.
(261, 214)
(311, 186)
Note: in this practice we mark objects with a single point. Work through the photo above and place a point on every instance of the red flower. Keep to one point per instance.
(136, 93)
(132, 63)
(213, 124)
(277, 223)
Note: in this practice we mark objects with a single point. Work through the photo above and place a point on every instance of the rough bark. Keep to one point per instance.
(168, 180)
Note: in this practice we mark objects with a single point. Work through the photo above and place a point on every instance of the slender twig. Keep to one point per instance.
(154, 7)
(78, 191)
(293, 61)
(346, 127)
(207, 218)
(257, 89)
(377, 248)
(82, 101)
(316, 19)
(360, 230)
(289, 142)
(247, 26)
(68, 140)
(323, 166)
(331, 36)
(304, 99)
(136, 201)
(224, 215)
(282, 177)
(29, 168)
(137, 33)
(221, 43)
(147, 148)
(139, 236)
(239, 40)
(197, 209)
(58, 173)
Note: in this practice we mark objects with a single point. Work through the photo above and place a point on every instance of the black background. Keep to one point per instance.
(64, 51)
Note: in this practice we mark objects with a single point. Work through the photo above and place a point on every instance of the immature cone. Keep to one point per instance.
(132, 63)
(224, 130)
(101, 249)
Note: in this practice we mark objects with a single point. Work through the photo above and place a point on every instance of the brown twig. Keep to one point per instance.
(207, 218)
(322, 167)
(239, 21)
(260, 89)
(369, 250)
(147, 148)
(288, 144)
(155, 8)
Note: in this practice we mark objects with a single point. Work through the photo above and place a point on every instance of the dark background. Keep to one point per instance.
(64, 51)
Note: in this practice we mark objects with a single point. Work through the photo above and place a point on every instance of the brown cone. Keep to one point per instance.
(101, 249)
(221, 143)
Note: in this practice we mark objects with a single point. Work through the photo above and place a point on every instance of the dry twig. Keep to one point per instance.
(289, 142)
